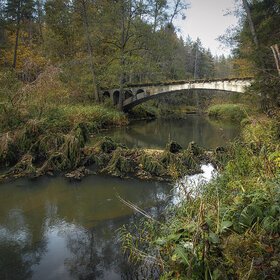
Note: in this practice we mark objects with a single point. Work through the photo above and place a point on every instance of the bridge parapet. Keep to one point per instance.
(136, 94)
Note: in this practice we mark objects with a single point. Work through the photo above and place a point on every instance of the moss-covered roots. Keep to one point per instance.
(34, 152)
(117, 160)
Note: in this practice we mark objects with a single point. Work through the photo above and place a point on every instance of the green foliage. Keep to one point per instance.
(258, 55)
(230, 229)
(233, 112)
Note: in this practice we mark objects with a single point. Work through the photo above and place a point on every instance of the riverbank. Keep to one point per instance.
(228, 228)
(50, 154)
(41, 148)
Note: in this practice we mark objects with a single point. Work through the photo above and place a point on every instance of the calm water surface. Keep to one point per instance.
(155, 133)
(53, 229)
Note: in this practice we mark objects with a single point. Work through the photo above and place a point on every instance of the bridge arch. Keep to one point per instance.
(127, 94)
(147, 91)
(105, 95)
(140, 91)
(132, 102)
(116, 96)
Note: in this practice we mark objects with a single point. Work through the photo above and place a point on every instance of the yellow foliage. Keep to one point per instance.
(242, 67)
(29, 60)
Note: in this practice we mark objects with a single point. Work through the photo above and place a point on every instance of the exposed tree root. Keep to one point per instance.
(45, 153)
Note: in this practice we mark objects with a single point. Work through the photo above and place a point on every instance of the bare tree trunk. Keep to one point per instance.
(17, 35)
(16, 45)
(195, 63)
(251, 23)
(95, 90)
(122, 80)
(276, 54)
(39, 7)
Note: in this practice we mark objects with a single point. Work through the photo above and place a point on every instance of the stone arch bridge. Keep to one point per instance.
(135, 94)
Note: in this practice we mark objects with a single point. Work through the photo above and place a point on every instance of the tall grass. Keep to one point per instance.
(233, 112)
(228, 228)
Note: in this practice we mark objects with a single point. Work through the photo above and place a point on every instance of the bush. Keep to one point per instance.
(233, 112)
(226, 229)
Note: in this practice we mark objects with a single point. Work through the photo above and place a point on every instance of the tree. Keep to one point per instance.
(259, 31)
(251, 23)
(179, 6)
(95, 90)
(17, 11)
(158, 12)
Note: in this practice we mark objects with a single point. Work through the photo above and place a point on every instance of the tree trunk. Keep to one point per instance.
(195, 63)
(122, 63)
(16, 44)
(95, 90)
(39, 7)
(276, 54)
(251, 23)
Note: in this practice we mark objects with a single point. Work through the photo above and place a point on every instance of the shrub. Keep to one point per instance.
(233, 112)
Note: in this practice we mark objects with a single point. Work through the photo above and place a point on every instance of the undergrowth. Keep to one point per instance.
(226, 229)
(233, 112)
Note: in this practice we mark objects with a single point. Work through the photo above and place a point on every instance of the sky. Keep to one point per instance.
(206, 19)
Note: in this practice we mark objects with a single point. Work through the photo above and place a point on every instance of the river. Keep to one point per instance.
(54, 229)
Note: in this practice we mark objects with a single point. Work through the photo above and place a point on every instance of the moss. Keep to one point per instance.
(120, 164)
(107, 145)
(67, 157)
(8, 150)
(24, 167)
(194, 149)
(81, 132)
(152, 165)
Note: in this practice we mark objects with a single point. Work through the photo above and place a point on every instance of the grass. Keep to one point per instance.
(233, 112)
(226, 229)
(34, 125)
(98, 114)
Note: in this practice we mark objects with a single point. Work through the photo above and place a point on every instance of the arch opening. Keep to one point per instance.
(127, 94)
(139, 91)
(116, 96)
(105, 95)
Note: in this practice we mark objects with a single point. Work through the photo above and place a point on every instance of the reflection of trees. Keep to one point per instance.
(85, 261)
(16, 261)
(157, 132)
(18, 251)
(27, 218)
(96, 253)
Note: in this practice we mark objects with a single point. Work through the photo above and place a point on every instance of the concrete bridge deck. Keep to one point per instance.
(135, 94)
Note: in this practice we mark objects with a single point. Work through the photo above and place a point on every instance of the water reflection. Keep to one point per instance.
(53, 229)
(193, 185)
(156, 133)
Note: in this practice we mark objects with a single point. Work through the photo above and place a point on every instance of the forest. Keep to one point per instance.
(103, 43)
(56, 57)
